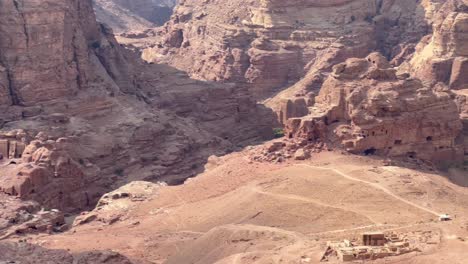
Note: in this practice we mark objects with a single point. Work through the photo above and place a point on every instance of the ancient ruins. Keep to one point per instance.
(233, 131)
(377, 245)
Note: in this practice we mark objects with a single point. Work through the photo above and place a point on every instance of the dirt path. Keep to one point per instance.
(308, 200)
(374, 185)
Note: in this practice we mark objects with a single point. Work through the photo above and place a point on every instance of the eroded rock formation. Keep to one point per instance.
(367, 108)
(131, 15)
(93, 116)
(40, 169)
(267, 44)
(272, 44)
(28, 254)
(442, 56)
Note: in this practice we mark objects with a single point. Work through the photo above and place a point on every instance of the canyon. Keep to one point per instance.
(79, 118)
(236, 132)
(127, 15)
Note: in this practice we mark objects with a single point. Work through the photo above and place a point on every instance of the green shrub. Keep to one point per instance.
(278, 132)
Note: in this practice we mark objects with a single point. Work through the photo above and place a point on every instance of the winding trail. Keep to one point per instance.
(308, 200)
(374, 185)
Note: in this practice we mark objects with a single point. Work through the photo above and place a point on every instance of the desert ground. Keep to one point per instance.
(233, 131)
(240, 211)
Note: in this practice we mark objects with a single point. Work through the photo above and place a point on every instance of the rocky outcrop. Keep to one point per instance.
(94, 117)
(27, 38)
(117, 205)
(462, 103)
(132, 15)
(442, 56)
(40, 169)
(28, 254)
(266, 44)
(20, 217)
(366, 108)
(272, 44)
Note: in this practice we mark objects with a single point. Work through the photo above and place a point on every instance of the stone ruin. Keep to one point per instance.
(366, 107)
(377, 245)
(11, 149)
(39, 168)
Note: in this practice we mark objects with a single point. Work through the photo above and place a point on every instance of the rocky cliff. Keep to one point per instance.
(131, 15)
(27, 253)
(272, 44)
(286, 51)
(367, 108)
(434, 64)
(442, 56)
(80, 115)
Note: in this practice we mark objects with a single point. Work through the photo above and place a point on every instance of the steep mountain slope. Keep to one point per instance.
(270, 44)
(81, 116)
(289, 52)
(131, 15)
(99, 150)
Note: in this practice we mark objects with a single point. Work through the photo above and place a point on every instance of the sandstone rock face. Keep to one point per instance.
(272, 44)
(441, 57)
(20, 217)
(366, 108)
(117, 205)
(462, 103)
(28, 254)
(93, 116)
(131, 15)
(41, 170)
(266, 44)
(27, 38)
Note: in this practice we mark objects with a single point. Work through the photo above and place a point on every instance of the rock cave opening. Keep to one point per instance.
(370, 151)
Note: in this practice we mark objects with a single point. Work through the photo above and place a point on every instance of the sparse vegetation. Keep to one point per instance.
(278, 132)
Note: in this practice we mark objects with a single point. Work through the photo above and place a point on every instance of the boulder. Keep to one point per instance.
(301, 154)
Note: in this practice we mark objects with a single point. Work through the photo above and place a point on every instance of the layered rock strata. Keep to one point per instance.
(28, 254)
(132, 15)
(366, 108)
(443, 55)
(40, 169)
(266, 44)
(272, 44)
(93, 117)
